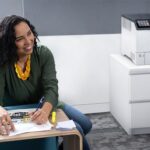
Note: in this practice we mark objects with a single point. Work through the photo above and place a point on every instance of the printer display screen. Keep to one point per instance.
(143, 23)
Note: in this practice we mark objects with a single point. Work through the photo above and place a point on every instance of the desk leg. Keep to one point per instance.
(72, 142)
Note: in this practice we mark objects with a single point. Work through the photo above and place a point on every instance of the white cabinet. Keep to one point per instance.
(130, 94)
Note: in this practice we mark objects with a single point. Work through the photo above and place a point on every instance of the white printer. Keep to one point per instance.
(135, 37)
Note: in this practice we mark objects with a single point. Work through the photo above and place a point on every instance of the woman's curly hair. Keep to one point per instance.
(8, 49)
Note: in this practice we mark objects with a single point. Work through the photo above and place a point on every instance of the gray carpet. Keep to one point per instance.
(107, 134)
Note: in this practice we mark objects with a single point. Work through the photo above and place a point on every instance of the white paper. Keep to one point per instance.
(24, 127)
(30, 127)
(69, 124)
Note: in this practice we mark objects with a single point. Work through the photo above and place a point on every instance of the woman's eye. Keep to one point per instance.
(18, 39)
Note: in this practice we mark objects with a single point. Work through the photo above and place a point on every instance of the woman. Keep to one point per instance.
(27, 72)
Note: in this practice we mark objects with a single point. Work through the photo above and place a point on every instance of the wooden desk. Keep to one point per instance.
(72, 138)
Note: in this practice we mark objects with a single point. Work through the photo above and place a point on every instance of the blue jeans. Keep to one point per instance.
(82, 122)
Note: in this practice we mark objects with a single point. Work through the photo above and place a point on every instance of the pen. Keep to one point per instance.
(41, 101)
(53, 117)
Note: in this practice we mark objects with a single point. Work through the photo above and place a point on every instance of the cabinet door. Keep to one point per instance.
(140, 115)
(140, 88)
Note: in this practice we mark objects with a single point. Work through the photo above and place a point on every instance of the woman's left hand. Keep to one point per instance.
(41, 115)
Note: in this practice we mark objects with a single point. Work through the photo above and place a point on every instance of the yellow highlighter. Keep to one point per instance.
(54, 117)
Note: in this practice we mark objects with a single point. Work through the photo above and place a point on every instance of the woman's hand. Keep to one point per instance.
(41, 115)
(6, 124)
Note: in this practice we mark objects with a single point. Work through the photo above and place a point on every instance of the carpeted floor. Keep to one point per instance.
(107, 134)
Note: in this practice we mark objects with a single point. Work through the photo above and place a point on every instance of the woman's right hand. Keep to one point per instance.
(6, 125)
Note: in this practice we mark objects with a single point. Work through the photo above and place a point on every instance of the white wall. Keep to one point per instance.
(82, 63)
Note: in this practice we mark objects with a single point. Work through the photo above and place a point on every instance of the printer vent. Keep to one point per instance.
(126, 24)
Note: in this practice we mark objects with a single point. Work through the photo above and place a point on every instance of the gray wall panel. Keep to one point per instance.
(59, 17)
(9, 7)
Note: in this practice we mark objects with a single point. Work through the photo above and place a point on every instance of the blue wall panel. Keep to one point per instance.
(59, 17)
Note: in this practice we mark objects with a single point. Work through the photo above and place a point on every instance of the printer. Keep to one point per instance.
(135, 37)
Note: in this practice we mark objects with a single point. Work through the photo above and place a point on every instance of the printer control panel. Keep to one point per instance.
(144, 23)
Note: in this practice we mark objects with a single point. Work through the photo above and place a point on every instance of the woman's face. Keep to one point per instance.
(24, 39)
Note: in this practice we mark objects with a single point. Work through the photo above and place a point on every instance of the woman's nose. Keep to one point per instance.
(27, 40)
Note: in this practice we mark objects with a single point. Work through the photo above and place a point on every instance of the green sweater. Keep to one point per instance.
(41, 82)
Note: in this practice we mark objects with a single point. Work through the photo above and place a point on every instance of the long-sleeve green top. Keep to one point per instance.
(41, 82)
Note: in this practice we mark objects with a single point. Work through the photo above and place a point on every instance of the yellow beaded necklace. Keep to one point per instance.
(23, 75)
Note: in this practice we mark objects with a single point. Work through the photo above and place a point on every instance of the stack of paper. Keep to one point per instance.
(66, 125)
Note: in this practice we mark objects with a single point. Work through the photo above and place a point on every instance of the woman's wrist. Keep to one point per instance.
(47, 107)
(3, 111)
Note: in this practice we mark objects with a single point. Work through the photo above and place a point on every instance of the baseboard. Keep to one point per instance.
(145, 130)
(93, 108)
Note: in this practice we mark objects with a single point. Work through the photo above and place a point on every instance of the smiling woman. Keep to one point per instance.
(27, 73)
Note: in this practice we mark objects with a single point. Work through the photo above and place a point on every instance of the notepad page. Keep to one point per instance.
(69, 124)
(30, 127)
